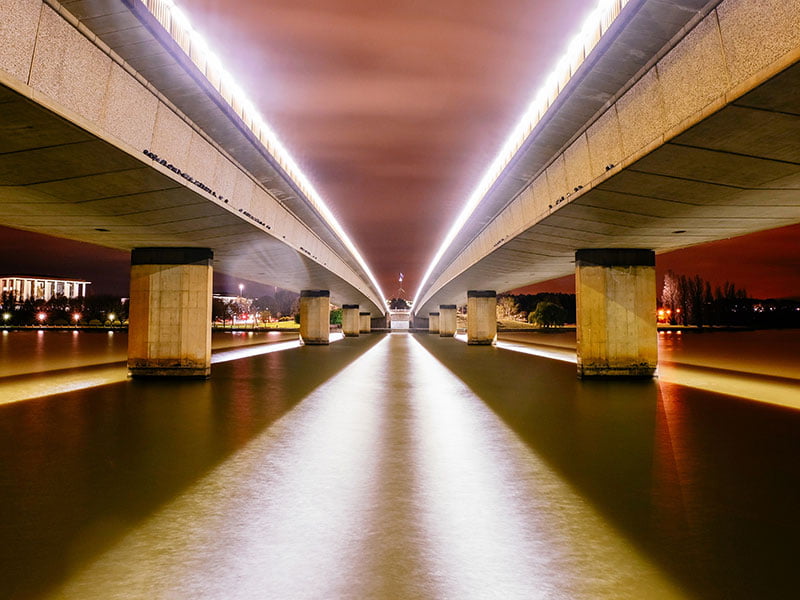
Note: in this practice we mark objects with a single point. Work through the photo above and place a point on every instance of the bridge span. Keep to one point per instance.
(676, 124)
(119, 128)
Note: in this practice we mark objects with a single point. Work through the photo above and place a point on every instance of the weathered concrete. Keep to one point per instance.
(447, 320)
(170, 312)
(481, 317)
(93, 85)
(616, 312)
(315, 317)
(350, 320)
(365, 322)
(681, 128)
(433, 322)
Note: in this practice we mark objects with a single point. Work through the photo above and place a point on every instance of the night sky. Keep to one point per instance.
(394, 110)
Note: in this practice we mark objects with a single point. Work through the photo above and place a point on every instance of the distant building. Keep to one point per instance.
(42, 288)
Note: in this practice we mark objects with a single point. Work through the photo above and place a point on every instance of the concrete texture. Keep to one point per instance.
(447, 320)
(351, 323)
(697, 144)
(18, 35)
(433, 322)
(481, 317)
(364, 322)
(616, 313)
(315, 316)
(77, 120)
(170, 315)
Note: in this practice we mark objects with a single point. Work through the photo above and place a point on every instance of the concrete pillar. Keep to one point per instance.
(169, 331)
(481, 317)
(447, 320)
(616, 318)
(350, 320)
(364, 322)
(433, 322)
(315, 317)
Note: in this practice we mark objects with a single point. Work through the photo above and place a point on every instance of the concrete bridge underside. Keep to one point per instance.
(700, 144)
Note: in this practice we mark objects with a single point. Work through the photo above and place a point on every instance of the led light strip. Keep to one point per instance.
(174, 20)
(595, 25)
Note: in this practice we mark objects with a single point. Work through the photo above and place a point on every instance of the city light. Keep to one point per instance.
(177, 24)
(593, 29)
(6, 316)
(41, 316)
(76, 317)
(112, 317)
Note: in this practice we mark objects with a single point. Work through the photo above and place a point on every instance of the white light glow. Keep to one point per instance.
(175, 21)
(595, 25)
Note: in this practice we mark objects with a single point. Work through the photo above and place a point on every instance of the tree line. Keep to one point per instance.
(545, 309)
(693, 301)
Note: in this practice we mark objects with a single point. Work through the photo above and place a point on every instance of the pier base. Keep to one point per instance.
(350, 320)
(315, 317)
(616, 312)
(481, 317)
(433, 322)
(169, 331)
(447, 320)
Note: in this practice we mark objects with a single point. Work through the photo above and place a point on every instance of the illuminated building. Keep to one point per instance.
(42, 288)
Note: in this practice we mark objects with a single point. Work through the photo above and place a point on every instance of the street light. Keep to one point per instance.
(241, 289)
(41, 316)
(76, 317)
(6, 316)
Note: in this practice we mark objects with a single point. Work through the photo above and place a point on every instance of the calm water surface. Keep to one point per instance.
(394, 466)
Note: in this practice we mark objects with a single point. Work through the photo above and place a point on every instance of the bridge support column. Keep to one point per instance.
(447, 320)
(350, 320)
(169, 332)
(315, 317)
(433, 322)
(616, 317)
(365, 322)
(481, 317)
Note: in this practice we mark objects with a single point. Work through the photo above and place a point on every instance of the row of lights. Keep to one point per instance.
(593, 29)
(175, 21)
(42, 317)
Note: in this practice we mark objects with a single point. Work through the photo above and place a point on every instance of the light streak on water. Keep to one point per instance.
(30, 386)
(390, 480)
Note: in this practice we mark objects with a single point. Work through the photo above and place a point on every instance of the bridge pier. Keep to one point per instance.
(481, 317)
(315, 317)
(447, 320)
(433, 322)
(365, 322)
(169, 331)
(616, 312)
(350, 320)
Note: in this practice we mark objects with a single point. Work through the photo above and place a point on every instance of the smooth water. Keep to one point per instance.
(394, 466)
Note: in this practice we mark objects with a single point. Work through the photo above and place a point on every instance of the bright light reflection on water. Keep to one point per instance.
(396, 466)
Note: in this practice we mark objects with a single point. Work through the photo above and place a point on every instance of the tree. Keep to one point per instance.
(671, 296)
(507, 306)
(336, 316)
(548, 314)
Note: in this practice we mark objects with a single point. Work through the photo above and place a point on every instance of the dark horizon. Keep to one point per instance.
(766, 264)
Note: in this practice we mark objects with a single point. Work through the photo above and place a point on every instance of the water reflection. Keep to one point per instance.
(81, 470)
(696, 481)
(397, 466)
